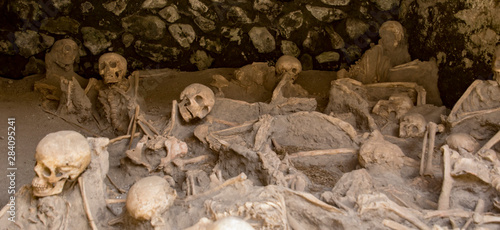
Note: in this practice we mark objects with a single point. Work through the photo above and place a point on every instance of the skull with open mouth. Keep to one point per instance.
(197, 101)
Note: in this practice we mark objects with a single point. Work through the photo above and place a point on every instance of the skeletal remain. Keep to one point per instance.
(380, 201)
(444, 197)
(323, 152)
(421, 93)
(196, 102)
(428, 151)
(400, 104)
(175, 148)
(394, 225)
(495, 139)
(234, 180)
(288, 67)
(462, 142)
(60, 156)
(182, 162)
(148, 198)
(52, 212)
(230, 223)
(112, 67)
(135, 155)
(219, 82)
(412, 125)
(86, 204)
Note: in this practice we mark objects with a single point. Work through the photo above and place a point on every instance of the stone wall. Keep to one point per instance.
(190, 34)
(460, 34)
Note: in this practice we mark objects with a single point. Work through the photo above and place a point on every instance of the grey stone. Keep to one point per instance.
(201, 60)
(386, 4)
(183, 33)
(86, 7)
(199, 6)
(212, 46)
(116, 7)
(335, 38)
(170, 13)
(234, 34)
(30, 42)
(262, 40)
(352, 53)
(205, 24)
(238, 15)
(154, 4)
(149, 27)
(269, 7)
(34, 66)
(156, 52)
(6, 47)
(127, 39)
(26, 10)
(95, 40)
(290, 22)
(336, 2)
(311, 40)
(329, 56)
(325, 14)
(63, 6)
(289, 48)
(60, 25)
(355, 27)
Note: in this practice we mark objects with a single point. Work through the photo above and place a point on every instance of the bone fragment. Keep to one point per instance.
(323, 152)
(134, 124)
(181, 162)
(495, 139)
(116, 186)
(115, 201)
(123, 137)
(424, 151)
(86, 204)
(173, 119)
(478, 211)
(313, 200)
(444, 197)
(432, 128)
(394, 225)
(240, 178)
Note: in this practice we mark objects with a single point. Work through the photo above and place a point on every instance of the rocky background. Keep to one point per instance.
(198, 34)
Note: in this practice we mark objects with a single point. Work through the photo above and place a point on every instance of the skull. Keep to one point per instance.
(412, 125)
(112, 67)
(60, 156)
(64, 53)
(496, 64)
(148, 198)
(197, 101)
(391, 34)
(400, 104)
(462, 141)
(288, 64)
(230, 222)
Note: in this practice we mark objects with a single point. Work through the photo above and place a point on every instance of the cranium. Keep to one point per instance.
(148, 198)
(462, 141)
(197, 101)
(60, 156)
(288, 64)
(64, 53)
(412, 125)
(400, 104)
(112, 67)
(496, 65)
(391, 34)
(230, 222)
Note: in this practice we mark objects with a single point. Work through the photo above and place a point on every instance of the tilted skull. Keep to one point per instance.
(60, 156)
(112, 67)
(288, 64)
(412, 125)
(64, 53)
(148, 198)
(197, 101)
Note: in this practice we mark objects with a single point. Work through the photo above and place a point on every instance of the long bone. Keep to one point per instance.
(444, 197)
(428, 152)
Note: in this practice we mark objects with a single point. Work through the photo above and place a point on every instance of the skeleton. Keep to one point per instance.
(287, 68)
(61, 157)
(148, 199)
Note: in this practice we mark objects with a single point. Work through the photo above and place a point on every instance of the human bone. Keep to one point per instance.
(288, 64)
(112, 67)
(412, 125)
(197, 101)
(52, 212)
(149, 197)
(464, 141)
(64, 53)
(229, 223)
(400, 104)
(60, 156)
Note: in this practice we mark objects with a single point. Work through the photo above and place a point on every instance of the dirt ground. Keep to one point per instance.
(19, 101)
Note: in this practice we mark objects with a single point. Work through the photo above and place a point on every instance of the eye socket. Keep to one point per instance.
(112, 64)
(58, 172)
(46, 171)
(198, 99)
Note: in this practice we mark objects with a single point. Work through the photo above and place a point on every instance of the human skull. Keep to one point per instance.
(112, 67)
(288, 64)
(496, 64)
(64, 53)
(60, 156)
(197, 101)
(391, 34)
(462, 141)
(148, 198)
(400, 104)
(412, 125)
